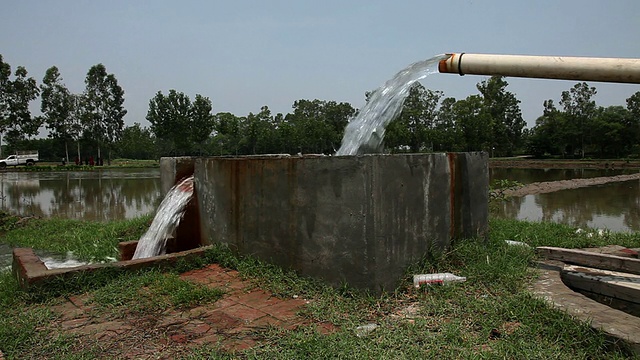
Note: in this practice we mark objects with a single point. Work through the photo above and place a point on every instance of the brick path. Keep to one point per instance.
(233, 322)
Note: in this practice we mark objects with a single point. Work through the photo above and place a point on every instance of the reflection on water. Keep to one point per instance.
(528, 176)
(102, 195)
(614, 206)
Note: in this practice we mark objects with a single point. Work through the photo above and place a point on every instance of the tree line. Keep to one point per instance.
(92, 122)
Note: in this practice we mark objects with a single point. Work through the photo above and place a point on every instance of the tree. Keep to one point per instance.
(506, 120)
(5, 94)
(228, 134)
(202, 120)
(169, 118)
(179, 124)
(137, 142)
(633, 121)
(472, 120)
(610, 124)
(103, 110)
(548, 135)
(580, 110)
(449, 136)
(59, 110)
(315, 126)
(15, 95)
(633, 105)
(415, 126)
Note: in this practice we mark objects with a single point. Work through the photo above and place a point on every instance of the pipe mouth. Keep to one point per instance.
(452, 64)
(444, 66)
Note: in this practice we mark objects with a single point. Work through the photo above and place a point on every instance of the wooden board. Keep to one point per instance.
(590, 259)
(616, 285)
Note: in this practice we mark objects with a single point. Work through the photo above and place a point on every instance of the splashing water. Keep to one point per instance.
(169, 214)
(365, 132)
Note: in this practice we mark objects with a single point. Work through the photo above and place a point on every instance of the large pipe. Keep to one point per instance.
(620, 70)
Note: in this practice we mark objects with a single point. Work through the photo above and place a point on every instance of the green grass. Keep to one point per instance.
(150, 292)
(87, 240)
(491, 315)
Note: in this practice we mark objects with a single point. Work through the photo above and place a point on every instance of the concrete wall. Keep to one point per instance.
(360, 220)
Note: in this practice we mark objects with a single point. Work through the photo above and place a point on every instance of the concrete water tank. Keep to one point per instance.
(360, 220)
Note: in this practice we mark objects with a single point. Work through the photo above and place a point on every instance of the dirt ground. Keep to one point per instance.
(551, 186)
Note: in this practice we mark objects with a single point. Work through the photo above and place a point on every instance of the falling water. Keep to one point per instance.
(169, 214)
(366, 131)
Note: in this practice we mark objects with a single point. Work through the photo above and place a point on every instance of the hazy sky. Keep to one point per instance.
(245, 54)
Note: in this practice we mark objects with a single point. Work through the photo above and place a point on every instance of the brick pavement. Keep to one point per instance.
(233, 322)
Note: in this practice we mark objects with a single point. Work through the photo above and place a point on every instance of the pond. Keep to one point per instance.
(613, 206)
(101, 195)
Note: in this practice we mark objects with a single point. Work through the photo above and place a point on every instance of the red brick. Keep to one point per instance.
(215, 268)
(243, 312)
(285, 310)
(237, 285)
(116, 327)
(179, 338)
(207, 339)
(257, 299)
(239, 345)
(241, 331)
(197, 328)
(171, 320)
(221, 321)
(223, 303)
(68, 311)
(78, 300)
(266, 321)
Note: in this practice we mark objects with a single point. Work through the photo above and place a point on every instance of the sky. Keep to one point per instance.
(245, 54)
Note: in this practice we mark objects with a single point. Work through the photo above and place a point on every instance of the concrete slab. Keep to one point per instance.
(620, 326)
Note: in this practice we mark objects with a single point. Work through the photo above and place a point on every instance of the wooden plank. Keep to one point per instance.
(612, 284)
(594, 260)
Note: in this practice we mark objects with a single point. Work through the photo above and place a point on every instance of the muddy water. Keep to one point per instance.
(100, 195)
(613, 206)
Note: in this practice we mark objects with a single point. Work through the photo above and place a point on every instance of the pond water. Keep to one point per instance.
(102, 195)
(613, 206)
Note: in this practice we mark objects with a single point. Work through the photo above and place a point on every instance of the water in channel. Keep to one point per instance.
(365, 132)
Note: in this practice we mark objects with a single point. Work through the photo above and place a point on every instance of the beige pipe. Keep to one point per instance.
(547, 67)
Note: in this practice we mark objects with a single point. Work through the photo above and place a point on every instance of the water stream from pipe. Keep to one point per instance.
(365, 132)
(164, 224)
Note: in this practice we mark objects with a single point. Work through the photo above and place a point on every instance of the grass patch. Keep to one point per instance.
(492, 315)
(87, 240)
(150, 292)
